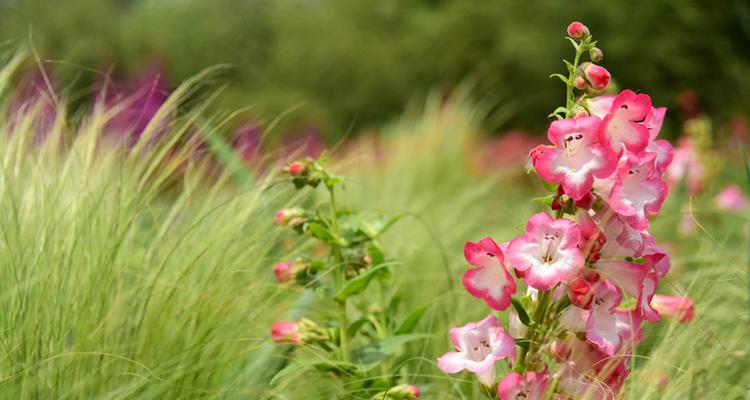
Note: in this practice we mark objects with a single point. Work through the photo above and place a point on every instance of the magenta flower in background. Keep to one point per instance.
(530, 386)
(37, 95)
(137, 99)
(246, 143)
(306, 142)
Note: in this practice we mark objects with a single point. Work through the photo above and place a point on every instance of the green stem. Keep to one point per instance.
(569, 98)
(340, 278)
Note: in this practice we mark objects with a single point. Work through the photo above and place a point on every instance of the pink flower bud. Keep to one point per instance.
(297, 168)
(289, 217)
(597, 75)
(596, 54)
(413, 389)
(283, 272)
(731, 198)
(579, 83)
(285, 332)
(674, 306)
(577, 30)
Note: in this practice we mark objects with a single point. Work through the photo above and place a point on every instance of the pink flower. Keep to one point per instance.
(686, 164)
(283, 272)
(586, 372)
(607, 328)
(548, 253)
(530, 386)
(480, 345)
(637, 192)
(577, 30)
(635, 280)
(674, 307)
(285, 332)
(491, 281)
(599, 106)
(577, 159)
(731, 198)
(621, 127)
(597, 75)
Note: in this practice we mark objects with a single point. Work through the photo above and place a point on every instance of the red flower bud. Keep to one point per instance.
(289, 217)
(577, 30)
(579, 83)
(597, 75)
(285, 332)
(674, 306)
(283, 272)
(297, 168)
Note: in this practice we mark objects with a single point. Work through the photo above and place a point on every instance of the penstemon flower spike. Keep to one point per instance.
(590, 267)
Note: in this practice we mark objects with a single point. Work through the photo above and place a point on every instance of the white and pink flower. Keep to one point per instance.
(548, 253)
(606, 327)
(577, 157)
(678, 307)
(621, 128)
(480, 345)
(637, 191)
(490, 281)
(531, 385)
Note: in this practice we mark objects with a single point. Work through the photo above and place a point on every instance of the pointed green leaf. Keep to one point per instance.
(521, 311)
(411, 321)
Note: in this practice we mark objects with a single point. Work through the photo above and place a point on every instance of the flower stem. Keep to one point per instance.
(569, 97)
(340, 277)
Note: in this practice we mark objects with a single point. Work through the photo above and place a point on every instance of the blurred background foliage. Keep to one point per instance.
(349, 65)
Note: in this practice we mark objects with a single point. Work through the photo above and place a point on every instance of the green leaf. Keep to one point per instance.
(325, 366)
(360, 282)
(552, 187)
(521, 311)
(322, 233)
(562, 78)
(356, 326)
(546, 200)
(411, 321)
(379, 350)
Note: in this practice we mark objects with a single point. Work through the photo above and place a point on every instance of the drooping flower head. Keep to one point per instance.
(621, 128)
(479, 346)
(490, 281)
(577, 157)
(548, 253)
(637, 192)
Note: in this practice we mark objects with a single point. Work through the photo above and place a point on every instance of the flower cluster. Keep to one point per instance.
(591, 270)
(349, 261)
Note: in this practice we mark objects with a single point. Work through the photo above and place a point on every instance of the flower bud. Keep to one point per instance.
(296, 168)
(283, 271)
(596, 54)
(577, 30)
(400, 392)
(597, 75)
(579, 83)
(674, 306)
(285, 332)
(290, 217)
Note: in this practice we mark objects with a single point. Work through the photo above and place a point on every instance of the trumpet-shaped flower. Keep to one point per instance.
(480, 345)
(548, 253)
(637, 191)
(285, 332)
(674, 306)
(530, 386)
(577, 157)
(606, 327)
(490, 281)
(621, 128)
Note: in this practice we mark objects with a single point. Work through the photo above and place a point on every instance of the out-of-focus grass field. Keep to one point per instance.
(147, 274)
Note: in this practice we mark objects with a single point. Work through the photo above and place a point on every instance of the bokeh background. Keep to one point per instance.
(345, 66)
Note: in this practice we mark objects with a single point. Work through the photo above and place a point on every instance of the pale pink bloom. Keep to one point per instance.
(283, 272)
(577, 30)
(490, 281)
(548, 253)
(635, 280)
(599, 106)
(577, 157)
(285, 332)
(674, 307)
(731, 198)
(530, 386)
(586, 372)
(686, 165)
(607, 328)
(516, 328)
(597, 75)
(480, 345)
(621, 128)
(663, 149)
(637, 192)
